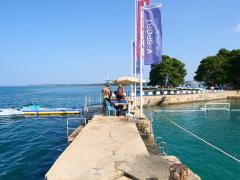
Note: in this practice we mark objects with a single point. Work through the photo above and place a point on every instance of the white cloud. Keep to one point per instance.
(237, 28)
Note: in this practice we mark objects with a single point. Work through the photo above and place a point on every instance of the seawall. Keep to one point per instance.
(187, 98)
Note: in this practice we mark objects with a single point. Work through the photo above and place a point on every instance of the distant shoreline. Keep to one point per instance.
(67, 85)
(54, 85)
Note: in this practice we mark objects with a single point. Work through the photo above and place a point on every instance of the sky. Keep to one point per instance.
(76, 41)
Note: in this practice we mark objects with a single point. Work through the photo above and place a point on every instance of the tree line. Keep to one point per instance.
(222, 68)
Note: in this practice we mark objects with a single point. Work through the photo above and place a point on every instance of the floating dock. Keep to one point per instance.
(109, 147)
(53, 113)
(42, 111)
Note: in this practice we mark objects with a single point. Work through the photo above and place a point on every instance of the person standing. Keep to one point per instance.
(111, 93)
(106, 95)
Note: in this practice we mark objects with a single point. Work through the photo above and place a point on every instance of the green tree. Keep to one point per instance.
(212, 70)
(171, 67)
(224, 52)
(223, 68)
(234, 68)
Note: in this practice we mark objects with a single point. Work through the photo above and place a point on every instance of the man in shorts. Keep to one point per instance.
(106, 95)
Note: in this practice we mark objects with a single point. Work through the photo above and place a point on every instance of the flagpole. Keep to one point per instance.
(132, 71)
(135, 56)
(141, 63)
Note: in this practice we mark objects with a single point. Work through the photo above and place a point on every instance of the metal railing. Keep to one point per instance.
(162, 146)
(90, 103)
(177, 92)
(93, 100)
(81, 120)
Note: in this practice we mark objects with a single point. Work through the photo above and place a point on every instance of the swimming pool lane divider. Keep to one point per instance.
(207, 107)
(195, 110)
(181, 110)
(199, 138)
(235, 110)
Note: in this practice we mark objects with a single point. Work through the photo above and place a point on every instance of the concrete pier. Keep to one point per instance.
(109, 147)
(94, 154)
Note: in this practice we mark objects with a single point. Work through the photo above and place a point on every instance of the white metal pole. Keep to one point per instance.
(141, 63)
(135, 56)
(132, 71)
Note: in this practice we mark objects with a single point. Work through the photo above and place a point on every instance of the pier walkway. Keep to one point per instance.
(109, 147)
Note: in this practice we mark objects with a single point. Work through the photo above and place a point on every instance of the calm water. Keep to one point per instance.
(220, 128)
(30, 145)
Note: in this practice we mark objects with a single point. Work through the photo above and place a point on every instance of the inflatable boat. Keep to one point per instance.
(10, 112)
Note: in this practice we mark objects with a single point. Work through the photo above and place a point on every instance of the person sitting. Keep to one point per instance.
(120, 92)
(120, 97)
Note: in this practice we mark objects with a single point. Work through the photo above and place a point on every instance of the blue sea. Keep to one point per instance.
(30, 145)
